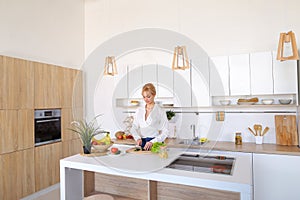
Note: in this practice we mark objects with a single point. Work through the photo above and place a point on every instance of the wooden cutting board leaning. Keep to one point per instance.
(286, 130)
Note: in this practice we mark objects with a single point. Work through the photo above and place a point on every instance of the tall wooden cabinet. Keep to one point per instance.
(25, 86)
(47, 86)
(46, 160)
(17, 174)
(16, 83)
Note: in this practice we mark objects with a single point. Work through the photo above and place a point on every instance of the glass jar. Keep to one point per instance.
(238, 138)
(163, 153)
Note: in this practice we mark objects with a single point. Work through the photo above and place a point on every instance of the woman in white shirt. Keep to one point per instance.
(150, 123)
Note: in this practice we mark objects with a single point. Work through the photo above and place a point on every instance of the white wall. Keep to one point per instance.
(220, 27)
(44, 31)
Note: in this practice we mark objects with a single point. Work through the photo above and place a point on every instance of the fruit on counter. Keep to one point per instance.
(119, 134)
(115, 150)
(105, 140)
(129, 137)
(203, 140)
(94, 142)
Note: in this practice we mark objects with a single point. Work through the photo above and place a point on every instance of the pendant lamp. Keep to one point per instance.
(110, 67)
(180, 58)
(287, 47)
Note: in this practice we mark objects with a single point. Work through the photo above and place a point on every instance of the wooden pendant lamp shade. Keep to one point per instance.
(110, 67)
(287, 47)
(180, 58)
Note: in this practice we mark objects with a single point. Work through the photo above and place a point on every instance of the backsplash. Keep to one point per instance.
(207, 126)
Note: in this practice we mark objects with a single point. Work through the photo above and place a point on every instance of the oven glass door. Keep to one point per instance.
(47, 130)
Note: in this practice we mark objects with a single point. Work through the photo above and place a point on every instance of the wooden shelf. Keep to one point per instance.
(292, 108)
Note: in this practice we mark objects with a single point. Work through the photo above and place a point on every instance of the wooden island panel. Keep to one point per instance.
(168, 191)
(155, 190)
(122, 186)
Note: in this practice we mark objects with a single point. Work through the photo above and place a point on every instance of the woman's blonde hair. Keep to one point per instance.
(149, 87)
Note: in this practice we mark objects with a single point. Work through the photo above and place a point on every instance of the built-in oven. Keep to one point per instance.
(47, 126)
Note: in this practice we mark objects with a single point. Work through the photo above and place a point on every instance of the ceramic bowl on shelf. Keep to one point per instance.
(285, 101)
(225, 102)
(267, 101)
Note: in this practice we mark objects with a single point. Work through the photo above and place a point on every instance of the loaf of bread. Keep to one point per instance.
(255, 99)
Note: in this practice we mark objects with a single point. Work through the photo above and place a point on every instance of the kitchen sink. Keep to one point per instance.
(191, 142)
(204, 164)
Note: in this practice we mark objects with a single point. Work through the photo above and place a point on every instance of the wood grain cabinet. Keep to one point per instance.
(46, 159)
(16, 83)
(8, 131)
(47, 85)
(17, 174)
(16, 130)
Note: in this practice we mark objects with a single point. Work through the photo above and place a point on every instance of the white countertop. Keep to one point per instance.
(152, 167)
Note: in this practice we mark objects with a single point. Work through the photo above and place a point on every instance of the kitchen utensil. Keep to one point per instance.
(266, 129)
(251, 131)
(286, 130)
(259, 129)
(256, 129)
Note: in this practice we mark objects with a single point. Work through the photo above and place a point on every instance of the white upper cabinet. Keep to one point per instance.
(182, 88)
(285, 76)
(219, 76)
(135, 81)
(200, 82)
(239, 73)
(165, 81)
(261, 73)
(149, 74)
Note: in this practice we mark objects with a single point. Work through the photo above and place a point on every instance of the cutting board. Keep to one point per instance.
(132, 150)
(286, 130)
(127, 141)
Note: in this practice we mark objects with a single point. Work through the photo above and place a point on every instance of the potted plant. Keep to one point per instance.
(86, 131)
(170, 114)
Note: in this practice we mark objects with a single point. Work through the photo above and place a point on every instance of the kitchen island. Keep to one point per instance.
(152, 169)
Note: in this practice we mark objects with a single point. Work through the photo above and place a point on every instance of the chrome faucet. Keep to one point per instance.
(193, 127)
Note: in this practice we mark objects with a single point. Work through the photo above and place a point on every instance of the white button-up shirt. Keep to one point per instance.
(155, 126)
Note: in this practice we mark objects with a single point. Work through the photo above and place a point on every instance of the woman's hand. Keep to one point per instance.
(139, 142)
(148, 146)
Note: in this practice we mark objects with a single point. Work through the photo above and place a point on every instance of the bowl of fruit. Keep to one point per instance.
(121, 135)
(101, 145)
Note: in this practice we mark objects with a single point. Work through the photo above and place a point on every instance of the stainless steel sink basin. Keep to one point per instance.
(206, 164)
(191, 142)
